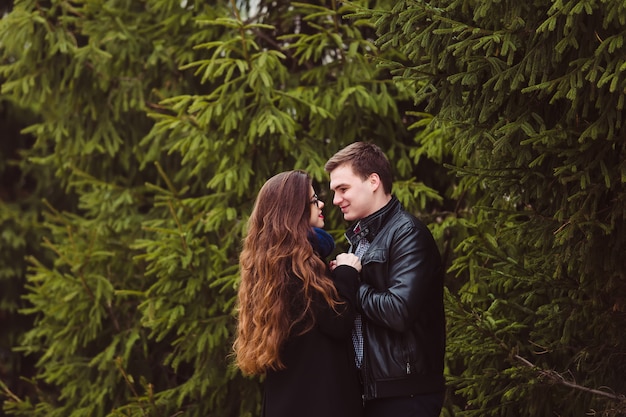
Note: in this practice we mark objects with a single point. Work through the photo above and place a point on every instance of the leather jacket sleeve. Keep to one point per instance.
(399, 276)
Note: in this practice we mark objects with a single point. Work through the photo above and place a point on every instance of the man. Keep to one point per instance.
(399, 336)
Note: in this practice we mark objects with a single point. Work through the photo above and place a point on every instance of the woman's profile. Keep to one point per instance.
(294, 315)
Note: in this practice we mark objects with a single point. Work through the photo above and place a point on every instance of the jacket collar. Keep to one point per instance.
(370, 226)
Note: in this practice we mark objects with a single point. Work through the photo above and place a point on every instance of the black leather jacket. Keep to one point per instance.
(401, 302)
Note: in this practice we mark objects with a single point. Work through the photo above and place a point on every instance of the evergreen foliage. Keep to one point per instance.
(112, 330)
(20, 232)
(150, 126)
(158, 122)
(535, 92)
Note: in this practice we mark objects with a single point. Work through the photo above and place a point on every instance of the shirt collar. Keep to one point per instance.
(368, 227)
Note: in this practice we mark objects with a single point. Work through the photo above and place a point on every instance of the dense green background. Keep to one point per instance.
(135, 136)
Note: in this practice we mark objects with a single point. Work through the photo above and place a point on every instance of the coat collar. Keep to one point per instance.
(370, 226)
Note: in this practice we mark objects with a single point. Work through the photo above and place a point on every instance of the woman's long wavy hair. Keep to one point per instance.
(277, 250)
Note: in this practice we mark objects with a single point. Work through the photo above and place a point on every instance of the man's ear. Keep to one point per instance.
(374, 181)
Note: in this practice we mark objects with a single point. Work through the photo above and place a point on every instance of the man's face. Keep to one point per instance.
(353, 195)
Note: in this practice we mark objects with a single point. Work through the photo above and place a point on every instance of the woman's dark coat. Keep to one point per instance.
(320, 378)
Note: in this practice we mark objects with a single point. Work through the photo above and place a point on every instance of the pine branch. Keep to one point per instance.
(551, 375)
(241, 32)
(9, 393)
(557, 378)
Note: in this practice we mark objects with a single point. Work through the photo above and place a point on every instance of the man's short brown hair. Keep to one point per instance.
(365, 159)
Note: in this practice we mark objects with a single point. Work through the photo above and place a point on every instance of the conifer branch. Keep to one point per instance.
(81, 274)
(557, 378)
(118, 363)
(51, 245)
(334, 7)
(448, 238)
(9, 393)
(241, 32)
(167, 180)
(340, 52)
(274, 43)
(179, 225)
(549, 374)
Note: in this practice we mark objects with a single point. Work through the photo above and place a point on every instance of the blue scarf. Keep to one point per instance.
(322, 242)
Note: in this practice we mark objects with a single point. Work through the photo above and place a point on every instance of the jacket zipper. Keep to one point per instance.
(407, 355)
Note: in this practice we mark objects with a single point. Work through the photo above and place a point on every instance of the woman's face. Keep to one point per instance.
(317, 218)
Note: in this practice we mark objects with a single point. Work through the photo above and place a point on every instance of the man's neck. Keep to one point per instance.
(369, 226)
(381, 201)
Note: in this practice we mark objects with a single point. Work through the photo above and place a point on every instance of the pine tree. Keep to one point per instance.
(534, 92)
(21, 187)
(90, 73)
(158, 122)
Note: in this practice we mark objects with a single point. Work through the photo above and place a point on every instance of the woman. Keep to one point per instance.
(295, 318)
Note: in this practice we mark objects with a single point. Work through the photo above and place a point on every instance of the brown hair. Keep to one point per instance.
(276, 251)
(365, 159)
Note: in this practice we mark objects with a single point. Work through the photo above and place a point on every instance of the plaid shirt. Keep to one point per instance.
(357, 331)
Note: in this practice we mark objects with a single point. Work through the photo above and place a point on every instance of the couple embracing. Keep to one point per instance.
(361, 335)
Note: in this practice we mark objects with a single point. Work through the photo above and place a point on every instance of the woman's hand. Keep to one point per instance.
(349, 259)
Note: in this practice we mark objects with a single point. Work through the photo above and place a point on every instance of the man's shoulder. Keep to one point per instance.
(402, 218)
